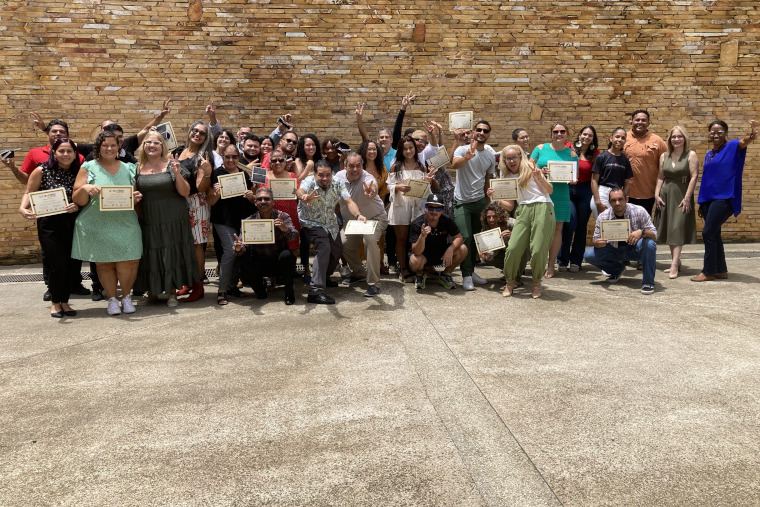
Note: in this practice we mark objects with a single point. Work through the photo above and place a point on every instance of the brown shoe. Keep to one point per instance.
(721, 276)
(702, 278)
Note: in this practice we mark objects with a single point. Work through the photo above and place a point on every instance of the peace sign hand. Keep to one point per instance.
(165, 109)
(369, 189)
(205, 165)
(359, 109)
(311, 196)
(38, 120)
(174, 164)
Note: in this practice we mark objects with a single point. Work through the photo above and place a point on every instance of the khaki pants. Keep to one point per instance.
(534, 228)
(351, 245)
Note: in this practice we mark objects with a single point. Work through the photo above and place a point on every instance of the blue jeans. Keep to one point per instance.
(715, 214)
(574, 231)
(611, 259)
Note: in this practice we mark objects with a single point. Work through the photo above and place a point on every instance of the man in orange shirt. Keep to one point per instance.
(643, 150)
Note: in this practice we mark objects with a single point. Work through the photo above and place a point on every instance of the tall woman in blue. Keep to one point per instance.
(720, 194)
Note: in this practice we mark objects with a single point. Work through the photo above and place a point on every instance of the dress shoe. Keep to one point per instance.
(56, 315)
(702, 278)
(47, 296)
(721, 276)
(320, 299)
(331, 283)
(81, 290)
(290, 299)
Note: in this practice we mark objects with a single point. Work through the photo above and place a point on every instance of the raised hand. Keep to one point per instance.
(408, 99)
(359, 110)
(175, 165)
(431, 172)
(165, 109)
(205, 165)
(471, 151)
(310, 197)
(38, 120)
(429, 126)
(369, 189)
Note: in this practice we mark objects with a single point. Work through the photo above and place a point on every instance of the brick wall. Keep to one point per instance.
(517, 63)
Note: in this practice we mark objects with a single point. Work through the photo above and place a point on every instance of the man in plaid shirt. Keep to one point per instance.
(641, 246)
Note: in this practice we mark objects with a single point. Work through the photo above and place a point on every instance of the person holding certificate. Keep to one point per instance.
(363, 189)
(107, 230)
(624, 232)
(543, 155)
(226, 215)
(574, 232)
(534, 224)
(403, 210)
(278, 171)
(611, 169)
(495, 216)
(168, 261)
(196, 158)
(55, 223)
(720, 193)
(266, 260)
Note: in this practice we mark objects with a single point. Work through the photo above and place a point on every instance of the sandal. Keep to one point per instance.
(508, 289)
(536, 290)
(221, 299)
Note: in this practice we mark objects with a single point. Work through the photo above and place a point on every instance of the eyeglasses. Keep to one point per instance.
(559, 131)
(231, 157)
(511, 159)
(277, 160)
(485, 131)
(435, 209)
(198, 132)
(676, 136)
(263, 199)
(716, 133)
(420, 141)
(289, 141)
(153, 143)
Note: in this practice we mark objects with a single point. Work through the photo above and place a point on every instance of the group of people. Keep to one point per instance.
(159, 246)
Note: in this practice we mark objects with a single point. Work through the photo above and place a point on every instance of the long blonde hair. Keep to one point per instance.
(142, 157)
(526, 170)
(686, 145)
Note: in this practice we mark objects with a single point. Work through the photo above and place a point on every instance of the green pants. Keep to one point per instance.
(467, 218)
(534, 228)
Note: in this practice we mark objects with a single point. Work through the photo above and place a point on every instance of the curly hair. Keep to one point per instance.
(501, 215)
(301, 148)
(100, 140)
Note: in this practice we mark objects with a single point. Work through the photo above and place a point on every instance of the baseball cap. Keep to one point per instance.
(434, 199)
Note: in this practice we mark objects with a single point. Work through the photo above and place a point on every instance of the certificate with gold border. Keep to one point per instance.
(232, 184)
(563, 172)
(417, 188)
(258, 232)
(117, 198)
(504, 189)
(488, 241)
(615, 230)
(359, 227)
(460, 120)
(47, 203)
(283, 188)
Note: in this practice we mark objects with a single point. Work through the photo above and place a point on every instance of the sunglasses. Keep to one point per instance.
(485, 131)
(264, 199)
(277, 160)
(198, 132)
(231, 157)
(289, 141)
(559, 131)
(435, 209)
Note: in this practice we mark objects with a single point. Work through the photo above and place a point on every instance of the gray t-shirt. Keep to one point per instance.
(371, 207)
(471, 177)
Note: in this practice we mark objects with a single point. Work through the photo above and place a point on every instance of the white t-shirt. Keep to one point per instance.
(532, 193)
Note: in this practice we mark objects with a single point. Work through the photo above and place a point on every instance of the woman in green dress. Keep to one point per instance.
(674, 217)
(110, 238)
(168, 260)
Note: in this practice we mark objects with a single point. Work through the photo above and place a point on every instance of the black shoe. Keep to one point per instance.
(352, 280)
(47, 296)
(290, 299)
(97, 295)
(320, 299)
(331, 283)
(70, 313)
(235, 291)
(56, 315)
(81, 290)
(261, 295)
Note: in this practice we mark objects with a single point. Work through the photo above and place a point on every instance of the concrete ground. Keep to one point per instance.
(593, 395)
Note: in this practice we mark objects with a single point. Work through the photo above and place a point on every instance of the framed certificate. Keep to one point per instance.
(359, 227)
(232, 185)
(615, 230)
(117, 198)
(504, 189)
(488, 241)
(284, 188)
(258, 232)
(167, 132)
(460, 120)
(440, 159)
(563, 172)
(418, 188)
(49, 202)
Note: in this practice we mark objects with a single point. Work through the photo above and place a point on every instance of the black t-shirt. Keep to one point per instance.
(612, 170)
(234, 209)
(438, 239)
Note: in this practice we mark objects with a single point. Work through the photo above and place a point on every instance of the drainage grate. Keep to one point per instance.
(37, 277)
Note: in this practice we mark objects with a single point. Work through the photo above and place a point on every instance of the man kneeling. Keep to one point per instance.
(429, 235)
(268, 260)
(610, 256)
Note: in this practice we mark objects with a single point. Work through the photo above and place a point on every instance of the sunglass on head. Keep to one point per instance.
(264, 199)
(231, 157)
(485, 131)
(436, 209)
(198, 132)
(559, 131)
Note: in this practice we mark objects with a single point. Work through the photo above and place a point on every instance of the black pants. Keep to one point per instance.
(56, 234)
(647, 204)
(254, 269)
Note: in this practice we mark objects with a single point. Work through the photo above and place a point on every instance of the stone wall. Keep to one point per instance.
(517, 63)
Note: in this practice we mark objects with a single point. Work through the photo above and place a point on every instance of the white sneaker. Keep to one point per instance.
(172, 302)
(478, 279)
(574, 268)
(467, 283)
(113, 307)
(126, 305)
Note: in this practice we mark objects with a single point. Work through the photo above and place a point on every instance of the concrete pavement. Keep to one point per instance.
(593, 395)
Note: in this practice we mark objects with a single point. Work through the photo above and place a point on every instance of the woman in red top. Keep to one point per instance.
(574, 231)
(279, 170)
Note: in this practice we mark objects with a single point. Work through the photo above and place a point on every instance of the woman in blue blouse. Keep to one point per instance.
(720, 194)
